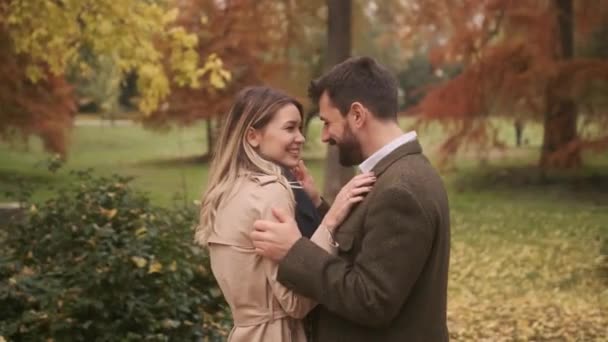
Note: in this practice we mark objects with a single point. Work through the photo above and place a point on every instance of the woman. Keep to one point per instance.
(260, 137)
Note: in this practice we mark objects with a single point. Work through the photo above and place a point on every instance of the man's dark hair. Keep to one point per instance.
(358, 79)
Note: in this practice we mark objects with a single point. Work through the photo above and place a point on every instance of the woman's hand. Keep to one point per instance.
(304, 177)
(353, 192)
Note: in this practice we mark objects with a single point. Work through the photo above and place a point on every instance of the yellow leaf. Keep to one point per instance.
(141, 231)
(155, 267)
(173, 266)
(189, 41)
(34, 73)
(170, 16)
(225, 74)
(169, 324)
(139, 261)
(108, 213)
(217, 81)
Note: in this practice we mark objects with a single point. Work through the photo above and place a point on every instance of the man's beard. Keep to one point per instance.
(349, 149)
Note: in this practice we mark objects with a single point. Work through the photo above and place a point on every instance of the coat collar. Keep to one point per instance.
(412, 147)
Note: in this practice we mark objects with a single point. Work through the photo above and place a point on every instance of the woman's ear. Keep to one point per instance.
(253, 137)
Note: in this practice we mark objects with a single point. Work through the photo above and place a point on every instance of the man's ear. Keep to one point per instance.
(359, 114)
(253, 137)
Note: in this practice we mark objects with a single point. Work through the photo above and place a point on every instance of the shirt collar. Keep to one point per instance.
(373, 160)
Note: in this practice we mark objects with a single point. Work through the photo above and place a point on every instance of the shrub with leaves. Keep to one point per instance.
(99, 263)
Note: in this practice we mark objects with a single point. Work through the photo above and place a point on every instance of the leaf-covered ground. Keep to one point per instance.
(526, 265)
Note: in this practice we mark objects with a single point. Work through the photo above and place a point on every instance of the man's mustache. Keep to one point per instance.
(331, 141)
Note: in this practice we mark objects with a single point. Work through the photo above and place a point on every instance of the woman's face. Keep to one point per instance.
(281, 140)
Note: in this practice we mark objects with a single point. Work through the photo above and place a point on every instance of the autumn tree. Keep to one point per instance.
(44, 108)
(42, 39)
(261, 42)
(518, 58)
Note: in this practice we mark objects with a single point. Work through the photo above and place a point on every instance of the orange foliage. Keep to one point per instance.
(44, 109)
(251, 37)
(513, 62)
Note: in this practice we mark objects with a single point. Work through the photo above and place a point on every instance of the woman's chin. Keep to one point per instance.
(290, 162)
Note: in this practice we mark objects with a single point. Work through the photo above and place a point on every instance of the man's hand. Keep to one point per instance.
(274, 239)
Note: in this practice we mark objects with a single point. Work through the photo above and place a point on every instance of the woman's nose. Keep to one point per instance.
(300, 138)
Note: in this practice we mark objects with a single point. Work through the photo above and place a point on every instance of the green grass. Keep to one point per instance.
(524, 263)
(152, 157)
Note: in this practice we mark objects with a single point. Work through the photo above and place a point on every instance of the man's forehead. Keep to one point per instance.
(325, 100)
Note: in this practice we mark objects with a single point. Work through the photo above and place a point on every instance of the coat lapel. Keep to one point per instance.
(412, 147)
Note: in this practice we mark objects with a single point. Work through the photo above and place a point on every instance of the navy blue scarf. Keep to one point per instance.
(307, 216)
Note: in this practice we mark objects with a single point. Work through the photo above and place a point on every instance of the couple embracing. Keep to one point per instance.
(373, 265)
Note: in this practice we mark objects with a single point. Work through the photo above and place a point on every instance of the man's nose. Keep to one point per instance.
(324, 135)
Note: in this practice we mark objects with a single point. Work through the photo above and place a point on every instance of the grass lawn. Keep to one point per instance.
(525, 250)
(151, 157)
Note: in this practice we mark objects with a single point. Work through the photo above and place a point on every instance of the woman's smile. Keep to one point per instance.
(295, 150)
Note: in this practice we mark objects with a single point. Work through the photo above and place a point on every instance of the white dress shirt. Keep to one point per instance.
(373, 160)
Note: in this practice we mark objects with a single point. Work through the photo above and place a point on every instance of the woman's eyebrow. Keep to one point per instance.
(295, 122)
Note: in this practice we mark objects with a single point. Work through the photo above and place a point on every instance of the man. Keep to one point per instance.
(389, 279)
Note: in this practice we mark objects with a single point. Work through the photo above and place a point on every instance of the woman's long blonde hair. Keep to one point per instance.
(234, 157)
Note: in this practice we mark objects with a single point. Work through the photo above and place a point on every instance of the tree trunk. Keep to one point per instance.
(210, 137)
(338, 50)
(560, 149)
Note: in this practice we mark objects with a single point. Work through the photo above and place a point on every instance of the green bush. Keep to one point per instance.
(99, 263)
